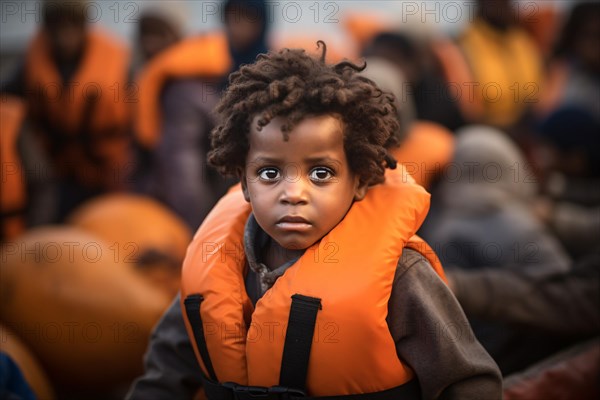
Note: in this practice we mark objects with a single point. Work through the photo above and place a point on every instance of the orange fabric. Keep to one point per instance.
(418, 244)
(203, 56)
(62, 278)
(359, 255)
(507, 71)
(542, 21)
(13, 197)
(459, 78)
(122, 219)
(363, 27)
(426, 151)
(101, 78)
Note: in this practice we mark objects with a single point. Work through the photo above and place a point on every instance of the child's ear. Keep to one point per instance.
(360, 190)
(242, 176)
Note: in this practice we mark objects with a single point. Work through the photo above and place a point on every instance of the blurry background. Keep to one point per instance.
(20, 18)
(106, 110)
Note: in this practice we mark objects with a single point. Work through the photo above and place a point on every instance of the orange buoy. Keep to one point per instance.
(84, 314)
(140, 232)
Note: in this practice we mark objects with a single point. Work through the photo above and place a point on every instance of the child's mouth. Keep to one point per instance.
(293, 223)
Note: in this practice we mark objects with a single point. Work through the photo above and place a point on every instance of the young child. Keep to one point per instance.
(317, 285)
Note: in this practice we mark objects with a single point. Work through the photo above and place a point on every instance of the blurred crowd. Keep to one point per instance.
(104, 181)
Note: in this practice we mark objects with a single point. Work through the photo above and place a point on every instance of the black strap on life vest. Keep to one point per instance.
(232, 391)
(294, 365)
(192, 309)
(298, 341)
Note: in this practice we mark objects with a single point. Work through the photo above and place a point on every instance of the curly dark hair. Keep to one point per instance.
(293, 84)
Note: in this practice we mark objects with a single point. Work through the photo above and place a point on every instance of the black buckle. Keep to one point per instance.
(241, 392)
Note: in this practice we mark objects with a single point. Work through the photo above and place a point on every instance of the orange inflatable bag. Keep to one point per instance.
(142, 232)
(81, 311)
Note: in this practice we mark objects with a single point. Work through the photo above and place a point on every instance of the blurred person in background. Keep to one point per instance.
(483, 219)
(246, 25)
(570, 198)
(568, 121)
(186, 82)
(574, 69)
(424, 81)
(160, 26)
(542, 20)
(178, 89)
(564, 304)
(426, 147)
(505, 62)
(27, 191)
(74, 81)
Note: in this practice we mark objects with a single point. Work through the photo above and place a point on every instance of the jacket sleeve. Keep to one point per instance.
(564, 303)
(170, 367)
(434, 338)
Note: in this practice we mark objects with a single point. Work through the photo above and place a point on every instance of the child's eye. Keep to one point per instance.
(321, 174)
(268, 174)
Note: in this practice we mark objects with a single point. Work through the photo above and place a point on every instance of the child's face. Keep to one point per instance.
(302, 188)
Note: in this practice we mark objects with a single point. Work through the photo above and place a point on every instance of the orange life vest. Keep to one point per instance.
(543, 23)
(13, 197)
(426, 151)
(199, 56)
(84, 121)
(351, 269)
(459, 78)
(507, 69)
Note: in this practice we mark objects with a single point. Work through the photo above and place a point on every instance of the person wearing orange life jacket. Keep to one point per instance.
(431, 88)
(13, 195)
(439, 76)
(426, 147)
(308, 141)
(178, 90)
(505, 63)
(75, 80)
(161, 25)
(27, 192)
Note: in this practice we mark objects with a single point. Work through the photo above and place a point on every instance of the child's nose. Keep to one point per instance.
(294, 190)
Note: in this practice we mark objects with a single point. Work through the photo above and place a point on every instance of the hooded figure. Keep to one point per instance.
(246, 24)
